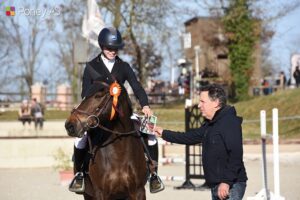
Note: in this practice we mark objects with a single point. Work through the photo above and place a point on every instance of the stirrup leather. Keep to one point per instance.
(77, 184)
(156, 185)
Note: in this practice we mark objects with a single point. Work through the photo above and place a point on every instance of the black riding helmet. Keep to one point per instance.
(110, 38)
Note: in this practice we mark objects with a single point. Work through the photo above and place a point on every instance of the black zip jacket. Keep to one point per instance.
(222, 152)
(121, 71)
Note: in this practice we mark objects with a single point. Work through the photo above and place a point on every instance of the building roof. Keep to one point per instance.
(194, 19)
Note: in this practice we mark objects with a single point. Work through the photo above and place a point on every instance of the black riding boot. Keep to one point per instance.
(156, 185)
(77, 184)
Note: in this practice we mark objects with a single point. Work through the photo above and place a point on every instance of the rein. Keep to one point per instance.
(116, 132)
(93, 150)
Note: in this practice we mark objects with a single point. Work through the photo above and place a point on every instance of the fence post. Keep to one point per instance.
(187, 184)
(192, 121)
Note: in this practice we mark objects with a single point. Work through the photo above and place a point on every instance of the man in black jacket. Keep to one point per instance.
(221, 138)
(296, 75)
(108, 67)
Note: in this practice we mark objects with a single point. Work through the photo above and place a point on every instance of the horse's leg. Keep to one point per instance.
(88, 197)
(99, 196)
(140, 194)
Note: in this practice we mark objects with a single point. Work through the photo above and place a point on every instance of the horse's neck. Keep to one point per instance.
(124, 118)
(124, 123)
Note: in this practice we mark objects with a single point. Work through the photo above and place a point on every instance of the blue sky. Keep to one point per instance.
(286, 40)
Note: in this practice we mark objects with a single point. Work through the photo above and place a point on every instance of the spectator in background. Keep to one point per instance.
(181, 84)
(37, 114)
(266, 85)
(296, 75)
(24, 113)
(282, 80)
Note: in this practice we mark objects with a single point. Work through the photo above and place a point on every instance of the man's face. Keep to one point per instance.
(207, 107)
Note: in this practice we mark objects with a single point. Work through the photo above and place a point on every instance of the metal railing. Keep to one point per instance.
(12, 101)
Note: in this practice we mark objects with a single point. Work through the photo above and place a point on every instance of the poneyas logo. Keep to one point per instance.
(10, 11)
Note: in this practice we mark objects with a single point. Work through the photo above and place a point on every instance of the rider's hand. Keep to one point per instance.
(147, 111)
(158, 131)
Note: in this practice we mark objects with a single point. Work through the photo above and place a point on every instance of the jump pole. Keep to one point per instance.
(276, 155)
(263, 131)
(265, 194)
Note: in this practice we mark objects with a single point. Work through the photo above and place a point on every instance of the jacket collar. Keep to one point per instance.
(102, 69)
(220, 113)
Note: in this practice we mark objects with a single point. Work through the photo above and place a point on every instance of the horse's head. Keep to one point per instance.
(98, 107)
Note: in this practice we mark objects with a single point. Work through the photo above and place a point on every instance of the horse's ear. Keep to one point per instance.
(92, 90)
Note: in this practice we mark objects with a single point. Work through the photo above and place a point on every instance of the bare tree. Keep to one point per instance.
(71, 20)
(27, 35)
(5, 51)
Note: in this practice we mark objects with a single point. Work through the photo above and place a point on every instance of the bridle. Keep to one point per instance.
(96, 115)
(75, 111)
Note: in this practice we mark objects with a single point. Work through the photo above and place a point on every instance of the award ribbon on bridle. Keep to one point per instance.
(115, 91)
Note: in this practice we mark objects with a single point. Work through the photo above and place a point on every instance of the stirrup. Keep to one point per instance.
(156, 185)
(77, 184)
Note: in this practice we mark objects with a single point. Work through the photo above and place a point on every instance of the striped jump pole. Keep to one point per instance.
(172, 178)
(169, 160)
(163, 159)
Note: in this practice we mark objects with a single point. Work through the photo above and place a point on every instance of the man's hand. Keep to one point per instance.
(158, 131)
(223, 191)
(147, 111)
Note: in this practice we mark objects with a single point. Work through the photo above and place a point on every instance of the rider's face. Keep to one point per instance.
(110, 54)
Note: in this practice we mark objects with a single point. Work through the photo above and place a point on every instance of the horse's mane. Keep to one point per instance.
(95, 87)
(124, 97)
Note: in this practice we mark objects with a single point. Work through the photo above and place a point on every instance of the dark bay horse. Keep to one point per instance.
(117, 169)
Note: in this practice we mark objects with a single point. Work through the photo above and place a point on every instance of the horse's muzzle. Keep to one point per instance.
(70, 127)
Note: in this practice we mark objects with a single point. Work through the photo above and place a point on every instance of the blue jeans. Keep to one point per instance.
(236, 191)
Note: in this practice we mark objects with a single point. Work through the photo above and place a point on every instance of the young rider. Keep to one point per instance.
(108, 65)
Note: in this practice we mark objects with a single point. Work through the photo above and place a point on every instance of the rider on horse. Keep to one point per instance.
(110, 66)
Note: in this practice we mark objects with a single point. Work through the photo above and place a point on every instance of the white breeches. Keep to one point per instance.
(80, 143)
